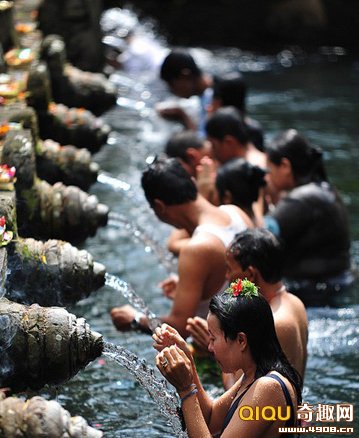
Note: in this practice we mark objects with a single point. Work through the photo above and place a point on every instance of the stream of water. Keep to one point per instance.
(137, 302)
(317, 94)
(166, 401)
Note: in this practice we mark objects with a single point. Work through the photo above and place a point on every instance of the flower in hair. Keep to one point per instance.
(242, 287)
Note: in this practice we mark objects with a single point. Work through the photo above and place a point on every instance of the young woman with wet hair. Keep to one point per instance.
(310, 219)
(242, 336)
(239, 182)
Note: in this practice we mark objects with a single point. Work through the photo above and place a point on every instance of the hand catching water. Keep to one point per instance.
(166, 336)
(176, 367)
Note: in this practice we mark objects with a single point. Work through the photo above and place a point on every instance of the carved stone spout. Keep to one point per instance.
(38, 418)
(54, 162)
(45, 211)
(74, 87)
(75, 126)
(43, 345)
(51, 273)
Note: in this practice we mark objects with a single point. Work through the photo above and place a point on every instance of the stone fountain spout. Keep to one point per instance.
(51, 273)
(75, 126)
(43, 345)
(45, 211)
(54, 162)
(38, 418)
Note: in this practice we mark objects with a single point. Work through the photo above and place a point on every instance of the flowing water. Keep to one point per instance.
(166, 401)
(130, 295)
(319, 95)
(140, 235)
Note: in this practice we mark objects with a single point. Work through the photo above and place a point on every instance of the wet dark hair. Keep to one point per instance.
(178, 144)
(259, 248)
(227, 121)
(231, 90)
(306, 160)
(166, 179)
(242, 179)
(175, 63)
(253, 316)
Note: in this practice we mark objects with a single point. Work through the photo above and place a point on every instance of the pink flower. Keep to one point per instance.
(237, 288)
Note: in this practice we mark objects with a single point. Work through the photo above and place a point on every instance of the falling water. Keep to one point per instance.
(136, 301)
(156, 387)
(3, 271)
(114, 183)
(140, 235)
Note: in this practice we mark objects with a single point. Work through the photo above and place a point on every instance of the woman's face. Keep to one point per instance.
(280, 176)
(224, 350)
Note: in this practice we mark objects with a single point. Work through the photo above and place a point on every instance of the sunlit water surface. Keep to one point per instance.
(318, 95)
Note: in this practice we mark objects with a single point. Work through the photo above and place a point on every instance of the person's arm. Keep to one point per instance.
(179, 371)
(177, 240)
(166, 336)
(193, 271)
(177, 114)
(206, 173)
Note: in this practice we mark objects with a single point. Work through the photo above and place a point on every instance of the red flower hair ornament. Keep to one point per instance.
(242, 287)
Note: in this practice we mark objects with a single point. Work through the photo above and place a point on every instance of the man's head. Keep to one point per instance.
(181, 73)
(227, 132)
(166, 185)
(189, 149)
(255, 254)
(229, 90)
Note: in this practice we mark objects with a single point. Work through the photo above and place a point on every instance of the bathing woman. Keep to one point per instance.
(310, 219)
(242, 336)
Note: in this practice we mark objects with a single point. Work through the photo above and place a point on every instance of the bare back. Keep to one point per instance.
(215, 232)
(291, 324)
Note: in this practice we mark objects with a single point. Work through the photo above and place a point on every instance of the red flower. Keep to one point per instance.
(2, 221)
(237, 288)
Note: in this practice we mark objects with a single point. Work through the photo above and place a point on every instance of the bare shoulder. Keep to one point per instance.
(246, 219)
(202, 252)
(204, 243)
(268, 390)
(297, 305)
(290, 305)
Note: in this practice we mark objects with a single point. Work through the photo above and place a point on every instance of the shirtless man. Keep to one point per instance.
(256, 255)
(173, 196)
(190, 149)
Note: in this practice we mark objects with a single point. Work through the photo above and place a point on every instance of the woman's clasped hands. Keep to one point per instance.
(174, 359)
